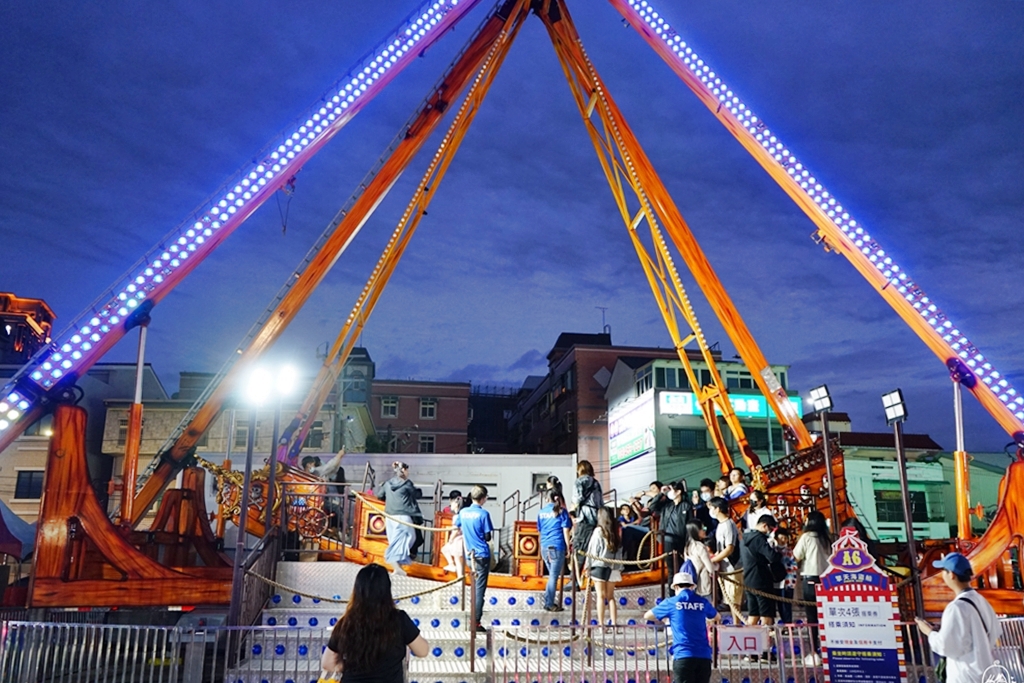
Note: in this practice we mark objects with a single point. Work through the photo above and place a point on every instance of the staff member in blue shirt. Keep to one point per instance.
(476, 526)
(553, 523)
(687, 614)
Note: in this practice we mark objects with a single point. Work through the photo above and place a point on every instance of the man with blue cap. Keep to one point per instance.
(969, 628)
(687, 614)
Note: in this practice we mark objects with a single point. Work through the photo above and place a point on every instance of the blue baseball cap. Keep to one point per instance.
(956, 563)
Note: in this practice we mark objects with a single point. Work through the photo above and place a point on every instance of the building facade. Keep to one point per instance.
(420, 417)
(655, 427)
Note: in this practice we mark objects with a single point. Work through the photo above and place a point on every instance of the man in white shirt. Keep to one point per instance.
(969, 628)
(726, 559)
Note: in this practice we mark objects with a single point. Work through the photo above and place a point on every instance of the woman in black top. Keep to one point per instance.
(368, 643)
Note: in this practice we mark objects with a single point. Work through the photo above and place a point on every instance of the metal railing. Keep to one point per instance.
(315, 519)
(33, 652)
(262, 560)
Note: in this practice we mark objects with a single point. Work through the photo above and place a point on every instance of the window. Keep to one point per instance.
(122, 431)
(389, 406)
(204, 440)
(705, 377)
(426, 443)
(690, 439)
(41, 427)
(757, 438)
(29, 485)
(644, 380)
(242, 435)
(315, 437)
(428, 411)
(889, 506)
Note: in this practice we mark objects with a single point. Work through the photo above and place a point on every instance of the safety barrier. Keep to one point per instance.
(261, 561)
(80, 653)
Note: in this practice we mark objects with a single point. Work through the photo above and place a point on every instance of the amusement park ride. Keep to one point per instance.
(85, 559)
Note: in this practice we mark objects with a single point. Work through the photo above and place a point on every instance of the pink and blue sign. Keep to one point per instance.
(859, 616)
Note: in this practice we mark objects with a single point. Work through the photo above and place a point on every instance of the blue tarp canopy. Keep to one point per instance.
(17, 537)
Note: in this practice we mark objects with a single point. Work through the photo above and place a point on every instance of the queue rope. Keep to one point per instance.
(373, 506)
(611, 560)
(343, 601)
(779, 598)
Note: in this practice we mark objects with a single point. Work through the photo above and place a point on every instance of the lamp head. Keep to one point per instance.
(821, 400)
(895, 408)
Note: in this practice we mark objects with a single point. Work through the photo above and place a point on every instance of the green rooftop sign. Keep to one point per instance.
(752, 406)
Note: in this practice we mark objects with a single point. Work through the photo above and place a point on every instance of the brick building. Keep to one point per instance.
(421, 417)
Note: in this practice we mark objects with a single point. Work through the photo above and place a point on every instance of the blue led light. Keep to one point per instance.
(835, 212)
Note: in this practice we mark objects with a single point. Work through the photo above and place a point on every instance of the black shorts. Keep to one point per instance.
(760, 606)
(600, 573)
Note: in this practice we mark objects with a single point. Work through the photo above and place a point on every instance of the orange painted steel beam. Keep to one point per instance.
(922, 315)
(97, 329)
(638, 167)
(400, 238)
(457, 78)
(624, 161)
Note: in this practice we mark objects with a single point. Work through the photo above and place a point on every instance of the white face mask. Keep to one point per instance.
(672, 494)
(705, 496)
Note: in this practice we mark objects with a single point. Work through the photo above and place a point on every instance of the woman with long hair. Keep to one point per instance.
(604, 546)
(369, 642)
(553, 525)
(697, 553)
(811, 552)
(758, 508)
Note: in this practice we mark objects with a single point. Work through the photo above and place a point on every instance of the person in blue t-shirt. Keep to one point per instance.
(475, 523)
(553, 523)
(687, 614)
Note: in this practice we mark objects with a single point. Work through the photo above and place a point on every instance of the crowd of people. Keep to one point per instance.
(758, 559)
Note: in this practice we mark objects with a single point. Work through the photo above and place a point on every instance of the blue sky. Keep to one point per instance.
(119, 118)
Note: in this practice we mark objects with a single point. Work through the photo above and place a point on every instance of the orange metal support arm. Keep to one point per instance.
(97, 329)
(836, 228)
(458, 77)
(295, 435)
(655, 199)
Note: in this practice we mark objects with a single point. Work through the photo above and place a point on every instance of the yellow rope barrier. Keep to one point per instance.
(340, 601)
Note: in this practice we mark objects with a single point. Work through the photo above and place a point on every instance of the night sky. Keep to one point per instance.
(118, 118)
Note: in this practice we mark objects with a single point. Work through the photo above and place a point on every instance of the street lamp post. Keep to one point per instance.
(258, 389)
(283, 385)
(821, 402)
(895, 414)
(234, 611)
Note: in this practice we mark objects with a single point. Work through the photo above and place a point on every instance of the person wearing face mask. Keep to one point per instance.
(701, 513)
(758, 507)
(675, 511)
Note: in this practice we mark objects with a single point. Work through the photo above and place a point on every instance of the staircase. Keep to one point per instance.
(524, 642)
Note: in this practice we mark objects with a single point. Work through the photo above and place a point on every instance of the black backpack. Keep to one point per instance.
(778, 567)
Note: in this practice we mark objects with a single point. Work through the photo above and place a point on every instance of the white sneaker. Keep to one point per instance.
(399, 570)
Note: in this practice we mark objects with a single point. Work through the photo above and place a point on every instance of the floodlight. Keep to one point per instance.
(258, 387)
(820, 399)
(895, 408)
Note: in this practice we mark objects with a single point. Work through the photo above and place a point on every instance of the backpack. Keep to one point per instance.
(778, 567)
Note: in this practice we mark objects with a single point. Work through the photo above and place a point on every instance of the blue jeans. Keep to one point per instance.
(481, 570)
(554, 560)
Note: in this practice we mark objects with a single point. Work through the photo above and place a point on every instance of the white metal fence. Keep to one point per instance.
(33, 652)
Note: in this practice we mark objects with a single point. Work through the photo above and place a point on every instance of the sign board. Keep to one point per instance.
(742, 640)
(631, 429)
(859, 617)
(685, 403)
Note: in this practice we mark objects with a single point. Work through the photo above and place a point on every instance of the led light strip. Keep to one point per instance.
(236, 201)
(883, 263)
